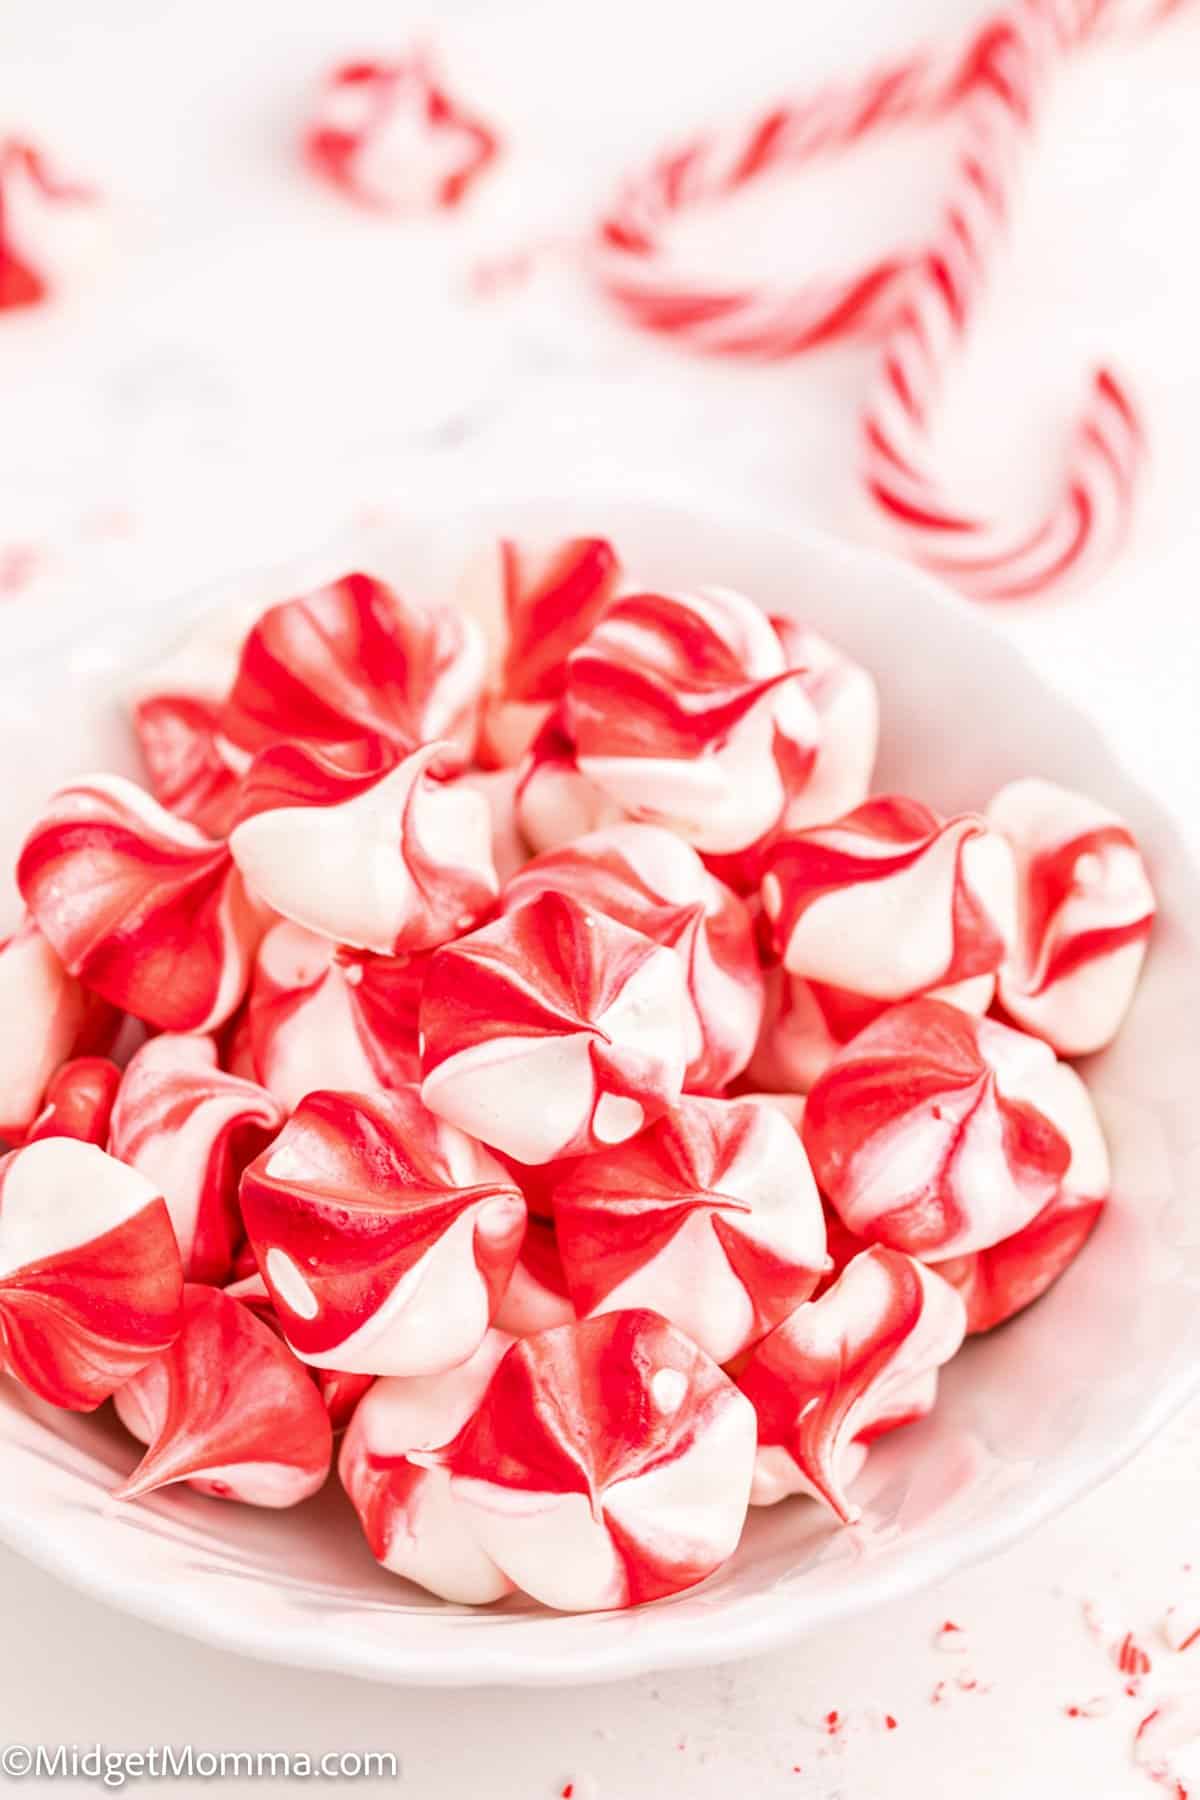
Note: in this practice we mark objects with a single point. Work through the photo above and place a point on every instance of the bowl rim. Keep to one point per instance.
(640, 1652)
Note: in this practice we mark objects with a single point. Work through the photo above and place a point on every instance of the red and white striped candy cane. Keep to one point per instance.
(917, 302)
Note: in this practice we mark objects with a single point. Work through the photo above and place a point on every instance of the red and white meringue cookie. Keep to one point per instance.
(48, 225)
(648, 879)
(892, 901)
(385, 1236)
(401, 865)
(536, 603)
(1085, 910)
(141, 906)
(412, 1522)
(861, 1360)
(78, 1102)
(711, 1218)
(1009, 1276)
(553, 1031)
(355, 661)
(48, 1017)
(682, 709)
(191, 1129)
(555, 802)
(846, 701)
(90, 1277)
(609, 1463)
(390, 136)
(323, 1016)
(536, 1298)
(227, 1409)
(941, 1134)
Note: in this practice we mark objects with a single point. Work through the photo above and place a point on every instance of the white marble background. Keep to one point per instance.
(253, 364)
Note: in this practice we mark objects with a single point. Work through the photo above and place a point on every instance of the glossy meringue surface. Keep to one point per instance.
(1002, 1467)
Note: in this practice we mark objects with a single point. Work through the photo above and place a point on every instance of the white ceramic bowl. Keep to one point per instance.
(1029, 1418)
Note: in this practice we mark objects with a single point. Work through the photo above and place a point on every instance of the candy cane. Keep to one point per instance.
(917, 303)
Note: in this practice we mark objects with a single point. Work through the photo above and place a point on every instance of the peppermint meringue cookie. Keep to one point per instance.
(400, 867)
(1085, 912)
(536, 1299)
(48, 1017)
(536, 603)
(555, 802)
(322, 1016)
(553, 1031)
(391, 137)
(340, 1392)
(845, 699)
(609, 1463)
(711, 1218)
(385, 1236)
(861, 1360)
(355, 661)
(90, 1277)
(941, 1134)
(648, 879)
(892, 901)
(140, 906)
(186, 767)
(410, 1518)
(682, 709)
(78, 1102)
(191, 1129)
(998, 1282)
(49, 226)
(227, 1409)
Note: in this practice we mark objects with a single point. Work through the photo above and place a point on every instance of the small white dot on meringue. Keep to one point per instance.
(772, 896)
(353, 974)
(285, 1163)
(617, 1117)
(500, 1217)
(668, 1388)
(1089, 870)
(290, 1284)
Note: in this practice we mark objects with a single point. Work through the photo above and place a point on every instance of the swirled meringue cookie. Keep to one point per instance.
(322, 1016)
(892, 901)
(536, 1299)
(680, 711)
(385, 1236)
(48, 1017)
(354, 661)
(90, 1277)
(1085, 912)
(861, 1360)
(553, 1031)
(846, 701)
(711, 1218)
(401, 865)
(1009, 1276)
(609, 1463)
(340, 1392)
(536, 601)
(78, 1102)
(191, 1129)
(648, 879)
(410, 1518)
(390, 136)
(941, 1134)
(227, 1409)
(139, 905)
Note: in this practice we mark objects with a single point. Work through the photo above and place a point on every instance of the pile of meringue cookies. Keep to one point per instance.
(504, 1032)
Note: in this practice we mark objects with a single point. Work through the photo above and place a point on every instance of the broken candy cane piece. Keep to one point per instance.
(410, 1518)
(386, 1237)
(553, 1031)
(711, 1218)
(609, 1463)
(90, 1277)
(940, 1134)
(648, 879)
(1085, 911)
(400, 866)
(141, 906)
(322, 1016)
(191, 1129)
(227, 1409)
(48, 1016)
(392, 137)
(840, 1370)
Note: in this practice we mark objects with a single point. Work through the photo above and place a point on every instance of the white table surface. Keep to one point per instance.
(254, 363)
